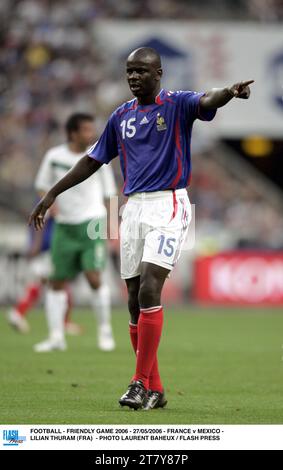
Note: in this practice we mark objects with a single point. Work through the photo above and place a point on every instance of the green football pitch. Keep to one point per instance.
(219, 366)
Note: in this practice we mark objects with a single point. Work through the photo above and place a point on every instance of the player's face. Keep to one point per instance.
(85, 135)
(143, 77)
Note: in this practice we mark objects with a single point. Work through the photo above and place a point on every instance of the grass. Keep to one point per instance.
(219, 366)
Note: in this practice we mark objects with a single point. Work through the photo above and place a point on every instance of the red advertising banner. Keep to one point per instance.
(243, 278)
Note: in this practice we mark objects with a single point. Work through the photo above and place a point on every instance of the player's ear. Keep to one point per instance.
(159, 73)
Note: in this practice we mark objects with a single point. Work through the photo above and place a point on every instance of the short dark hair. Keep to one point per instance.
(147, 52)
(74, 121)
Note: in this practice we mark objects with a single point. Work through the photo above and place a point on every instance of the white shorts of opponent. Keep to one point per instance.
(153, 229)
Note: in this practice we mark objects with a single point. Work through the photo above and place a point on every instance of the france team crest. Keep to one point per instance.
(160, 123)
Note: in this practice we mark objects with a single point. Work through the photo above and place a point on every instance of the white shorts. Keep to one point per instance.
(153, 229)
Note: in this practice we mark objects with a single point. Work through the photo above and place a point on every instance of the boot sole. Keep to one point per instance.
(131, 405)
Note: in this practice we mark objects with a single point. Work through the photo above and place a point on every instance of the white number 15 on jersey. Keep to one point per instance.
(128, 129)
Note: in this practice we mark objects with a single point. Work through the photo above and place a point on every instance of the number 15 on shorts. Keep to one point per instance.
(166, 245)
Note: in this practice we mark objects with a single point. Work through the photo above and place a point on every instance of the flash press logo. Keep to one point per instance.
(11, 437)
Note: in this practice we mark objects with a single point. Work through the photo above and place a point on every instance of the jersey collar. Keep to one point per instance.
(158, 99)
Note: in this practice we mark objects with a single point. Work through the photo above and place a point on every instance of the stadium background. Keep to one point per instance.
(58, 57)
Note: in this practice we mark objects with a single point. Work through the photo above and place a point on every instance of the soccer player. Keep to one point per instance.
(72, 249)
(151, 134)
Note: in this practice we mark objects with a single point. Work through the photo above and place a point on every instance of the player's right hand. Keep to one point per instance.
(37, 216)
(241, 89)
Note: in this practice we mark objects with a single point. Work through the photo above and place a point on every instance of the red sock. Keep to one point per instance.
(154, 378)
(155, 383)
(30, 297)
(133, 330)
(149, 334)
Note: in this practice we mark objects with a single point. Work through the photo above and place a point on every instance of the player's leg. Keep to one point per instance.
(29, 298)
(65, 261)
(71, 328)
(146, 311)
(39, 267)
(155, 385)
(16, 316)
(131, 252)
(93, 261)
(101, 303)
(133, 287)
(149, 333)
(56, 302)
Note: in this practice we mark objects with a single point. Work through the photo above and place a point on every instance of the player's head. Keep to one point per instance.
(144, 71)
(80, 130)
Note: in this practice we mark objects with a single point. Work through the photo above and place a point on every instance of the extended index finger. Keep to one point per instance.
(247, 83)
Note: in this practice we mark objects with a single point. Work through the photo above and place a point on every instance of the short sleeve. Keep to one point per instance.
(191, 101)
(44, 177)
(105, 149)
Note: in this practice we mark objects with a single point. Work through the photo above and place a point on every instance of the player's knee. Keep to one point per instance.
(94, 279)
(149, 293)
(95, 284)
(57, 285)
(133, 300)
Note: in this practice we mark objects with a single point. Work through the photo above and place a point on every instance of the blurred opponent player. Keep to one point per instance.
(151, 134)
(40, 268)
(72, 250)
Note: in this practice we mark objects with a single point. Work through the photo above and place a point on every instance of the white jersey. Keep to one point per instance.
(82, 202)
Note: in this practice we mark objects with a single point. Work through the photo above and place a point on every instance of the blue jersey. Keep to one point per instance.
(152, 141)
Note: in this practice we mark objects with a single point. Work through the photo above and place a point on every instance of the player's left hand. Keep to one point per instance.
(36, 218)
(242, 89)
